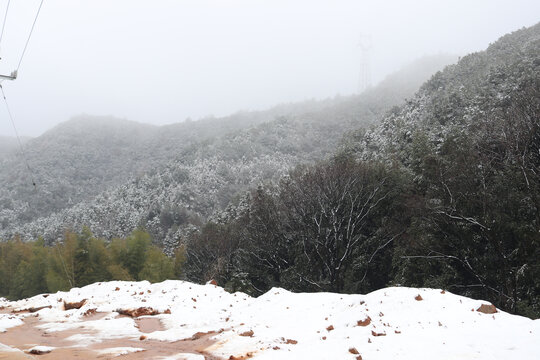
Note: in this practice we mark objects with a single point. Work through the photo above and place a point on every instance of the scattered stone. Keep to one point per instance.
(142, 337)
(330, 328)
(291, 341)
(247, 333)
(142, 311)
(418, 298)
(74, 305)
(377, 334)
(90, 312)
(487, 309)
(32, 309)
(353, 351)
(40, 350)
(242, 357)
(200, 334)
(364, 322)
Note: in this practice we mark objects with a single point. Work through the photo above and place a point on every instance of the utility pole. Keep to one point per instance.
(13, 76)
(364, 80)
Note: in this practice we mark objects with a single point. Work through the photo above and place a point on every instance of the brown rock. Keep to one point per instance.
(247, 333)
(242, 357)
(377, 334)
(353, 351)
(90, 312)
(291, 341)
(74, 305)
(32, 309)
(143, 337)
(364, 322)
(487, 309)
(330, 328)
(142, 311)
(418, 298)
(39, 351)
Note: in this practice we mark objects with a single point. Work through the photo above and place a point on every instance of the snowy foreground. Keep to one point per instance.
(392, 323)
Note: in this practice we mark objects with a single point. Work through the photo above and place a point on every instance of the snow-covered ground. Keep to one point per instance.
(392, 323)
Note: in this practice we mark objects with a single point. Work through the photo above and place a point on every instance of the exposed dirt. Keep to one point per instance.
(28, 335)
(147, 325)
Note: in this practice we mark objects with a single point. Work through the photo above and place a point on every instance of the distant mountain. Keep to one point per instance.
(114, 175)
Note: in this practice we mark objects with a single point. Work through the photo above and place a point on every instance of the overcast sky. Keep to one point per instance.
(159, 62)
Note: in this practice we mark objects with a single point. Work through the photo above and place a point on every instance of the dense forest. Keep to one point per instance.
(443, 192)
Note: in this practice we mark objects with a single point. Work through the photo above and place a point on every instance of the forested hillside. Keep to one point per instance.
(444, 193)
(114, 175)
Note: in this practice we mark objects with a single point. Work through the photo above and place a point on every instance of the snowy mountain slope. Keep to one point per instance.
(89, 165)
(391, 323)
(459, 98)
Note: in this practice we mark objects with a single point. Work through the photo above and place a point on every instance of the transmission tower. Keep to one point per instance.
(364, 80)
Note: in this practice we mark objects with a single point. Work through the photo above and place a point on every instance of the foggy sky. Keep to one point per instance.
(158, 61)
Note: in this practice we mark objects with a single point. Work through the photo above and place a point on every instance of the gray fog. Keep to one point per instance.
(159, 62)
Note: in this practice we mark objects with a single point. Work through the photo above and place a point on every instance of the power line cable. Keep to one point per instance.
(23, 153)
(29, 35)
(4, 23)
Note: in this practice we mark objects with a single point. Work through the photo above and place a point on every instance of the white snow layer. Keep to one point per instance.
(392, 323)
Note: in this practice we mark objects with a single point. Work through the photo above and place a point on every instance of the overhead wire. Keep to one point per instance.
(23, 153)
(29, 35)
(4, 23)
(21, 147)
